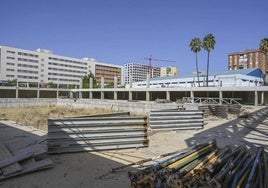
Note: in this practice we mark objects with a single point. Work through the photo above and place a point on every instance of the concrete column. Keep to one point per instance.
(256, 98)
(168, 95)
(90, 83)
(115, 82)
(102, 82)
(17, 92)
(130, 95)
(130, 81)
(102, 95)
(262, 98)
(57, 95)
(147, 96)
(80, 95)
(38, 93)
(192, 96)
(148, 81)
(71, 95)
(220, 96)
(115, 95)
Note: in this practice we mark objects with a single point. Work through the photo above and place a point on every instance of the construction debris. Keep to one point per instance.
(22, 155)
(206, 165)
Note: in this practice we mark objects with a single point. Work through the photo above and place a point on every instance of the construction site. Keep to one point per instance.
(105, 143)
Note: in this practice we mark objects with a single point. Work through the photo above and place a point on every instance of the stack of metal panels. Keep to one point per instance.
(22, 155)
(96, 133)
(176, 120)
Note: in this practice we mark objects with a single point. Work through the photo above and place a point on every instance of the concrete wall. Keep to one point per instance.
(137, 108)
(13, 102)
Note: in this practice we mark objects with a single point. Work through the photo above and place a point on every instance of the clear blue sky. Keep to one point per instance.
(123, 31)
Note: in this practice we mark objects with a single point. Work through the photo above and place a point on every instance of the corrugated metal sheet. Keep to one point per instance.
(176, 120)
(96, 133)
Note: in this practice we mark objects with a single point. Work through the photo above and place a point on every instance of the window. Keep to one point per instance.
(29, 66)
(11, 52)
(10, 63)
(28, 60)
(11, 70)
(27, 54)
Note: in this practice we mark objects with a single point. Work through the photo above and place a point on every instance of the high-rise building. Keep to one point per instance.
(42, 66)
(247, 59)
(169, 71)
(139, 72)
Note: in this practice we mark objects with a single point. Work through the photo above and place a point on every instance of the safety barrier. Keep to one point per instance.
(96, 133)
(176, 119)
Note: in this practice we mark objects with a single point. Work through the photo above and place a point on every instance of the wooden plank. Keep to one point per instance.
(5, 154)
(31, 167)
(14, 159)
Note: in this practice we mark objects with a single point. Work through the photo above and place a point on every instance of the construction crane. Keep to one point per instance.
(150, 63)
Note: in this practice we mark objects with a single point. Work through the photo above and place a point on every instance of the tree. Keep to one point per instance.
(208, 45)
(85, 80)
(264, 47)
(196, 45)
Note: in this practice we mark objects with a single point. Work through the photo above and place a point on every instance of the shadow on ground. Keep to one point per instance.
(251, 131)
(79, 170)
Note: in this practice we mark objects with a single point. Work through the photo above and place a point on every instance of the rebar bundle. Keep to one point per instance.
(206, 165)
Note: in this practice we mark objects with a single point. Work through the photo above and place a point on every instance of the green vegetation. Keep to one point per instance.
(196, 45)
(208, 45)
(86, 78)
(264, 47)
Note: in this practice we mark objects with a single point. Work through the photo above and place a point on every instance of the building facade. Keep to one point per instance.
(138, 72)
(247, 59)
(41, 67)
(108, 72)
(169, 71)
(234, 78)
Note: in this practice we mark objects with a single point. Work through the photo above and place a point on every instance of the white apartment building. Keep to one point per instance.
(42, 66)
(138, 72)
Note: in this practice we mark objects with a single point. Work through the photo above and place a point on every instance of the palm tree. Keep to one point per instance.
(264, 47)
(196, 45)
(208, 44)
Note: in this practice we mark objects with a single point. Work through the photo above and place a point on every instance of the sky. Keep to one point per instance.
(124, 31)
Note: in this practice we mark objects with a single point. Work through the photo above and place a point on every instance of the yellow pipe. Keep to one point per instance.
(241, 181)
(173, 165)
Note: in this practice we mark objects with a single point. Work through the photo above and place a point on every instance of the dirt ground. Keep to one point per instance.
(36, 116)
(91, 169)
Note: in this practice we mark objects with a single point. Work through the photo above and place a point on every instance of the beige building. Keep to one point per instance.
(247, 59)
(108, 72)
(169, 71)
